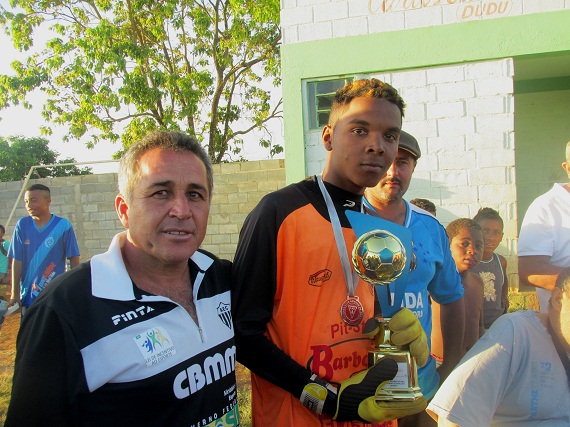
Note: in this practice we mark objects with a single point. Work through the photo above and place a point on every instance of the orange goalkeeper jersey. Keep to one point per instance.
(287, 246)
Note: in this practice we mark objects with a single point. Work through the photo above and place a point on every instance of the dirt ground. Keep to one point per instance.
(8, 335)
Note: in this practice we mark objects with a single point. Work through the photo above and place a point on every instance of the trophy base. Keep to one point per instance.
(404, 386)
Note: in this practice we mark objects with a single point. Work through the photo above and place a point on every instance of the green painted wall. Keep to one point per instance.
(526, 35)
(542, 128)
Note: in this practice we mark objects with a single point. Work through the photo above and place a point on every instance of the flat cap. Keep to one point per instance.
(410, 144)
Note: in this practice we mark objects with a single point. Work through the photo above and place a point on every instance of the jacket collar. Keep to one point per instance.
(109, 276)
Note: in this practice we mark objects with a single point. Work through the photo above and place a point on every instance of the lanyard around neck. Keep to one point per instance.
(350, 276)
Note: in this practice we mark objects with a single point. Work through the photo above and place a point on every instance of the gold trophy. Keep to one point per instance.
(379, 257)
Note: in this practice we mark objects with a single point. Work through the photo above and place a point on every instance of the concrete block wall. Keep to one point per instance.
(463, 118)
(238, 187)
(88, 202)
(307, 20)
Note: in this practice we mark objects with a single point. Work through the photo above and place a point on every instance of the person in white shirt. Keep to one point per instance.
(517, 374)
(544, 239)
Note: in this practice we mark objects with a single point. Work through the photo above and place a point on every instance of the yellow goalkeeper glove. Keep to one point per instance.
(407, 330)
(357, 396)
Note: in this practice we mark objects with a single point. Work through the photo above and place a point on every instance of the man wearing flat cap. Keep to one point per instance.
(435, 273)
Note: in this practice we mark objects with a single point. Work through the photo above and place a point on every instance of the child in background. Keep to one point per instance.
(425, 204)
(4, 246)
(466, 244)
(4, 270)
(493, 267)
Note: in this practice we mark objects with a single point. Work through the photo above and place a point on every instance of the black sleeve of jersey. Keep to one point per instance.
(253, 291)
(47, 372)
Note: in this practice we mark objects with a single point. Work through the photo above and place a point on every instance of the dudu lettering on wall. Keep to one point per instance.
(466, 9)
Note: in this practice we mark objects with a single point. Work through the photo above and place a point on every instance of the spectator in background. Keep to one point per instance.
(4, 272)
(517, 374)
(40, 245)
(425, 204)
(4, 247)
(544, 239)
(493, 267)
(466, 244)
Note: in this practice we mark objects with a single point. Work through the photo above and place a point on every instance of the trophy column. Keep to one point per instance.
(379, 257)
(404, 386)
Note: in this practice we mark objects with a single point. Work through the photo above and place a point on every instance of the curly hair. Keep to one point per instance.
(425, 204)
(488, 213)
(454, 227)
(372, 88)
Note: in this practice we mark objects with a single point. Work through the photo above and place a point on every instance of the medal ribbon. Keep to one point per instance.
(350, 276)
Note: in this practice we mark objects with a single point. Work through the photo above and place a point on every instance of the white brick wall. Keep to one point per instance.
(315, 31)
(339, 18)
(326, 11)
(463, 118)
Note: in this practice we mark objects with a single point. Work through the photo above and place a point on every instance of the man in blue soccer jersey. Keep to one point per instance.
(435, 273)
(40, 245)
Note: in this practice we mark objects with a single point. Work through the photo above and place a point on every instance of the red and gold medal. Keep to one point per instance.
(351, 311)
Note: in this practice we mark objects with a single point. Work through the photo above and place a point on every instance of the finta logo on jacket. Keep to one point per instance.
(133, 314)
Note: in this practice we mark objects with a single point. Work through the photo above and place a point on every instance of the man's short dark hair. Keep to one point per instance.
(563, 280)
(2, 229)
(488, 213)
(164, 140)
(372, 88)
(41, 187)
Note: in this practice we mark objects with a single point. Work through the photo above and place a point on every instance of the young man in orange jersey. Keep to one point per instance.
(299, 313)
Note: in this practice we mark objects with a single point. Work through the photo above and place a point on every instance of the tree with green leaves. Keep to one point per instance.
(118, 69)
(18, 154)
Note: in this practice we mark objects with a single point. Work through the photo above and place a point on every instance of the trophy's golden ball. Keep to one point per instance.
(379, 257)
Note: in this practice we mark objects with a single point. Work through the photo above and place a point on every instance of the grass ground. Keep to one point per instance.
(244, 395)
